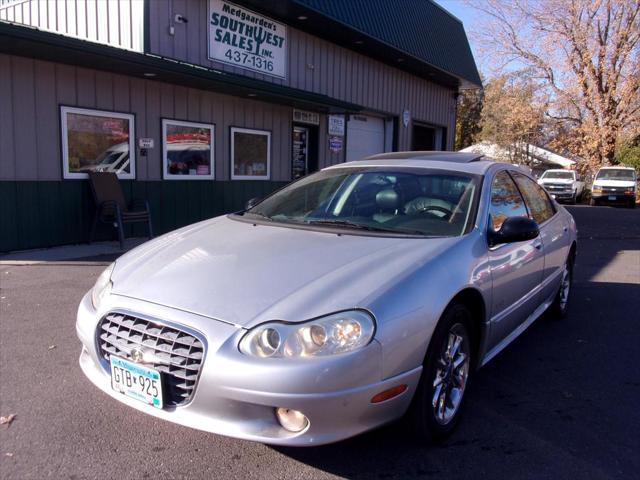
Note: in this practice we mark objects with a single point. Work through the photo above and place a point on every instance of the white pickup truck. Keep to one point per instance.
(562, 184)
(615, 185)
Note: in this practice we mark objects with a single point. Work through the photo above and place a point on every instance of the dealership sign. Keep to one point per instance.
(245, 39)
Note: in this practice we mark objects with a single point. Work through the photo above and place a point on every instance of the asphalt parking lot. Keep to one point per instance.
(561, 402)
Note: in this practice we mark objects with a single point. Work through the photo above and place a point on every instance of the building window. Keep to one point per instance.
(250, 154)
(187, 150)
(97, 141)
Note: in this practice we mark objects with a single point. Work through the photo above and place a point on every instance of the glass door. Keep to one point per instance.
(300, 154)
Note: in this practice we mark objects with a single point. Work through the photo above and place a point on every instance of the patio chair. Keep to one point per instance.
(112, 207)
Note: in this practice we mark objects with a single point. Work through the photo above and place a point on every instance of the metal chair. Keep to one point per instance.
(112, 207)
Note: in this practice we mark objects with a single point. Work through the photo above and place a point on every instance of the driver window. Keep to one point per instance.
(506, 201)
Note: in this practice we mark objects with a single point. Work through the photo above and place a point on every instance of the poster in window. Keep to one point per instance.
(300, 152)
(250, 154)
(187, 150)
(97, 141)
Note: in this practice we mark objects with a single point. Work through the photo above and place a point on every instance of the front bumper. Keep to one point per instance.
(237, 395)
(561, 194)
(613, 197)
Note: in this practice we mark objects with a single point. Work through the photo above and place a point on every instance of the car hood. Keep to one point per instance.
(614, 183)
(245, 274)
(556, 180)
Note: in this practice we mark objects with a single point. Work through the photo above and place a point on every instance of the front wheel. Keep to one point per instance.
(440, 395)
(593, 203)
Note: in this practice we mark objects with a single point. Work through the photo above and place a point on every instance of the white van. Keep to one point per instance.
(615, 185)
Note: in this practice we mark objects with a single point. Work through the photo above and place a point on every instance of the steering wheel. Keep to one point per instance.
(436, 208)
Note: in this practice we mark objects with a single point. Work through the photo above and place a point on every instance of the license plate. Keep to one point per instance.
(136, 381)
(612, 197)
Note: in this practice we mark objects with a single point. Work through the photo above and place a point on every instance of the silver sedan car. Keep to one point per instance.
(366, 292)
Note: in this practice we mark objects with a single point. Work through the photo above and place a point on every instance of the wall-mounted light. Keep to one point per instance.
(302, 17)
(149, 74)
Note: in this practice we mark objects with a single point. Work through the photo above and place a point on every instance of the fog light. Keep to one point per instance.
(291, 420)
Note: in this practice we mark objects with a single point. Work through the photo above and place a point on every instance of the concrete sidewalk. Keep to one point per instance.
(94, 253)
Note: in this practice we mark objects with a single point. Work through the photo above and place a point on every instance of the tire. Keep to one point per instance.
(593, 203)
(427, 418)
(573, 200)
(560, 306)
(632, 203)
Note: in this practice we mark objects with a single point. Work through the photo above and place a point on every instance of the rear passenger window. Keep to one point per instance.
(505, 200)
(537, 199)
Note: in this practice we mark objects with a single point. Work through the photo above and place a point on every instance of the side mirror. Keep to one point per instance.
(514, 229)
(252, 202)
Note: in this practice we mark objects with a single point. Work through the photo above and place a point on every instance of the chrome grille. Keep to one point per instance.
(175, 353)
(618, 190)
(558, 186)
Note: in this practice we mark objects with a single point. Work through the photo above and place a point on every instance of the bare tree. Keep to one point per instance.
(512, 116)
(584, 53)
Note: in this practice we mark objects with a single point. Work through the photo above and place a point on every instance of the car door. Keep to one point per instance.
(553, 233)
(516, 268)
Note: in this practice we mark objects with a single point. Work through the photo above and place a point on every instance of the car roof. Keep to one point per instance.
(466, 162)
(617, 167)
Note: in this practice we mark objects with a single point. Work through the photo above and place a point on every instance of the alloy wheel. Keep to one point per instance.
(565, 288)
(451, 374)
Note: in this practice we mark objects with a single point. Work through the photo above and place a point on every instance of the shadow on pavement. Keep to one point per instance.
(562, 399)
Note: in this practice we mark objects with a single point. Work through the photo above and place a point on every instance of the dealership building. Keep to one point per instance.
(200, 105)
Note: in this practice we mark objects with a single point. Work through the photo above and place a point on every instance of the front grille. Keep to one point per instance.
(618, 190)
(557, 186)
(177, 354)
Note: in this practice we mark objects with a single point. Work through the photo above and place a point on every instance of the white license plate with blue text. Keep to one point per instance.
(136, 381)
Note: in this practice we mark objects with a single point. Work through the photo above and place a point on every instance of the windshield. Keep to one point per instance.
(559, 175)
(408, 201)
(616, 174)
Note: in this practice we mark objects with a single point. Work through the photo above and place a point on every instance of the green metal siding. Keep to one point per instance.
(420, 28)
(40, 214)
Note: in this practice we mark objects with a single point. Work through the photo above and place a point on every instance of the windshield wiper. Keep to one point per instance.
(261, 215)
(361, 226)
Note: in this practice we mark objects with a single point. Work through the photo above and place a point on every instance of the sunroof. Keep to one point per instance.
(458, 157)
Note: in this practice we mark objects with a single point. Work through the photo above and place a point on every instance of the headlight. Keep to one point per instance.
(336, 333)
(102, 288)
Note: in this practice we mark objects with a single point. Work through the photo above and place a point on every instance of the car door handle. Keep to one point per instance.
(566, 229)
(538, 245)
